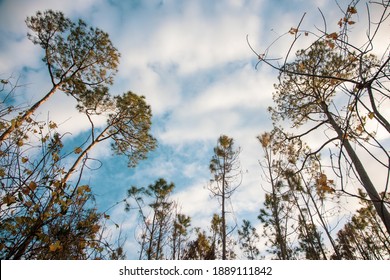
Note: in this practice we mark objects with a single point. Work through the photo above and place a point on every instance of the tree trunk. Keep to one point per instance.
(27, 114)
(324, 226)
(223, 217)
(377, 201)
(280, 238)
(82, 155)
(307, 230)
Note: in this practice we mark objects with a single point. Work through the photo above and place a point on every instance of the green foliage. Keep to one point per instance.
(296, 197)
(95, 100)
(77, 56)
(209, 246)
(155, 210)
(224, 164)
(180, 234)
(81, 60)
(274, 215)
(364, 237)
(307, 85)
(248, 238)
(227, 176)
(310, 241)
(201, 248)
(129, 127)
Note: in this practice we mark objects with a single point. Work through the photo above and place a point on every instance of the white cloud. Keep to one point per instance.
(191, 170)
(175, 44)
(162, 90)
(197, 43)
(195, 202)
(236, 101)
(14, 13)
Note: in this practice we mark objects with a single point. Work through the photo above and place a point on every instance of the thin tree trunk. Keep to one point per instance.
(27, 114)
(279, 239)
(377, 201)
(159, 238)
(324, 226)
(151, 238)
(381, 119)
(83, 154)
(307, 230)
(174, 236)
(223, 215)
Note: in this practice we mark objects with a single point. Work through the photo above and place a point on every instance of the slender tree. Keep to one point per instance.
(309, 238)
(156, 213)
(277, 207)
(307, 194)
(180, 235)
(227, 176)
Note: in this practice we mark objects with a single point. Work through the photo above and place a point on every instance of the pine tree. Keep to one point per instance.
(227, 176)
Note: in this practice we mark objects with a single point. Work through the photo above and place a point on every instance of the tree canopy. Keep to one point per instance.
(317, 173)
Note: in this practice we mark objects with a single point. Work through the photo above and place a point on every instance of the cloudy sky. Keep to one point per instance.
(192, 62)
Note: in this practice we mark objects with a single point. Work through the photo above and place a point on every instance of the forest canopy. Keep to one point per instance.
(318, 164)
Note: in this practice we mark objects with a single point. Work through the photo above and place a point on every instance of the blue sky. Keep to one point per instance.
(192, 62)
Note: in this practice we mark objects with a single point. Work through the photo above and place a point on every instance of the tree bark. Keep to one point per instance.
(223, 212)
(377, 201)
(27, 114)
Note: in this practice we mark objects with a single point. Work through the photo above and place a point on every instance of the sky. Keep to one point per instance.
(191, 61)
